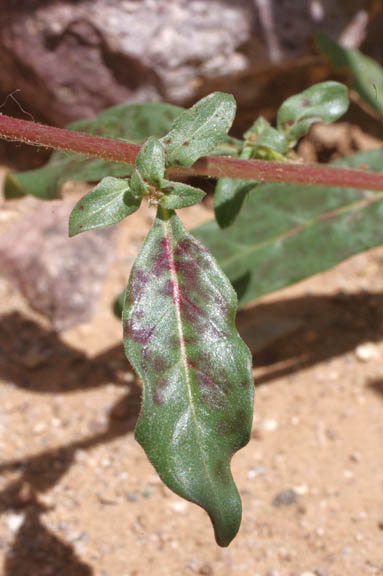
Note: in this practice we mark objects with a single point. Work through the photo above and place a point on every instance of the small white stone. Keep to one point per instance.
(366, 352)
(39, 428)
(179, 506)
(257, 471)
(269, 425)
(15, 522)
(302, 489)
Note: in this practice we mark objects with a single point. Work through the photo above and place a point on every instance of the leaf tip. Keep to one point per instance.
(226, 526)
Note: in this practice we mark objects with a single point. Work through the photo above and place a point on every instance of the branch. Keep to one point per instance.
(214, 166)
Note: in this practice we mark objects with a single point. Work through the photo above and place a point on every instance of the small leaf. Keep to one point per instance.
(263, 136)
(138, 186)
(107, 204)
(180, 336)
(229, 197)
(289, 231)
(132, 122)
(179, 195)
(151, 161)
(367, 74)
(197, 131)
(325, 102)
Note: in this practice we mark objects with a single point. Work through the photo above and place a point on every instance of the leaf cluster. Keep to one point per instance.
(194, 134)
(179, 306)
(325, 102)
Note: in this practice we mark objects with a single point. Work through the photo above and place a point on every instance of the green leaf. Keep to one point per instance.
(138, 186)
(230, 193)
(367, 75)
(107, 204)
(263, 136)
(289, 232)
(229, 197)
(133, 122)
(118, 304)
(180, 336)
(179, 195)
(197, 131)
(151, 161)
(325, 102)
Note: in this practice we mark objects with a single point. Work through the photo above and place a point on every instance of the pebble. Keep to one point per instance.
(206, 570)
(355, 457)
(108, 499)
(321, 572)
(147, 492)
(179, 506)
(348, 474)
(132, 497)
(301, 490)
(256, 471)
(14, 522)
(285, 498)
(366, 352)
(269, 425)
(39, 428)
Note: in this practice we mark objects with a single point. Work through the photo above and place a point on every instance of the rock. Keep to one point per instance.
(206, 570)
(256, 471)
(285, 498)
(132, 497)
(61, 278)
(269, 425)
(321, 572)
(301, 490)
(366, 352)
(15, 521)
(179, 506)
(73, 59)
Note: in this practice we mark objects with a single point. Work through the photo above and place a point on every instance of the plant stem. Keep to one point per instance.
(214, 166)
(62, 139)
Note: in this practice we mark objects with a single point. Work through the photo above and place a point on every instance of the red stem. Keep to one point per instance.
(214, 166)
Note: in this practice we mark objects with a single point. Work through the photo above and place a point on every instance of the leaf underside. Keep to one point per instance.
(180, 336)
(289, 232)
(229, 197)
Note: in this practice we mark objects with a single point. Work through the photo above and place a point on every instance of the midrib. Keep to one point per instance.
(177, 303)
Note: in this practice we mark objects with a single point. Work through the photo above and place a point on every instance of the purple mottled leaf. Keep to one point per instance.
(180, 336)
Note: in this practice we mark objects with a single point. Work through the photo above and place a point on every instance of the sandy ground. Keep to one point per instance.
(78, 496)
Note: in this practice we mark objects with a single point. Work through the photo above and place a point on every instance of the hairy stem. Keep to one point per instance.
(214, 166)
